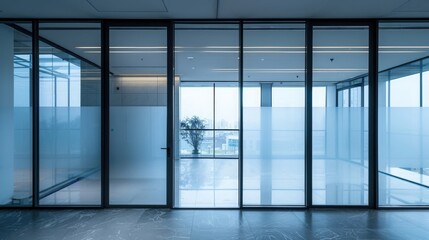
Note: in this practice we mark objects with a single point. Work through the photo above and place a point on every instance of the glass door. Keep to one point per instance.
(138, 115)
(207, 115)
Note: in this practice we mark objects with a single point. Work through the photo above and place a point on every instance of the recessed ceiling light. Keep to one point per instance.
(262, 59)
(190, 58)
(193, 68)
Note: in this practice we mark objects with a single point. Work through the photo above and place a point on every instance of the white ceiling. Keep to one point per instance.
(270, 54)
(194, 62)
(214, 9)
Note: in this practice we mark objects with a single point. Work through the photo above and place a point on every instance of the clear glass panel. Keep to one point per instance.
(251, 95)
(226, 144)
(273, 114)
(365, 96)
(425, 83)
(340, 146)
(355, 97)
(405, 91)
(197, 100)
(69, 115)
(191, 146)
(138, 115)
(346, 98)
(319, 97)
(207, 114)
(403, 118)
(226, 106)
(288, 97)
(15, 115)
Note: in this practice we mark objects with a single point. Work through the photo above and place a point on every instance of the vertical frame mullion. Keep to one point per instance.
(240, 84)
(308, 113)
(170, 114)
(36, 103)
(373, 117)
(105, 116)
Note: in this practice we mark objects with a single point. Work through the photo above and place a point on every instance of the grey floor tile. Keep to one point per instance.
(151, 224)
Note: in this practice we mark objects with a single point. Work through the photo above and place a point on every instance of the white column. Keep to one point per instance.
(6, 115)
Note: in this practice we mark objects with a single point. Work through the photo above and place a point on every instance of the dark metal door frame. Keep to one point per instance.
(106, 25)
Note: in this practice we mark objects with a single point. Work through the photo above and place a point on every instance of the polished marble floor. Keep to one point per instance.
(214, 224)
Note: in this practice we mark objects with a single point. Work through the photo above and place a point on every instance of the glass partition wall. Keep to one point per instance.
(206, 115)
(340, 119)
(273, 114)
(138, 115)
(403, 114)
(69, 114)
(16, 108)
(230, 129)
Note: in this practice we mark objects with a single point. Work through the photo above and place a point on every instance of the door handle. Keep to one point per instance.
(168, 151)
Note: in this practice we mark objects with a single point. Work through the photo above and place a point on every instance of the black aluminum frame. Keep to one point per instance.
(372, 24)
(106, 25)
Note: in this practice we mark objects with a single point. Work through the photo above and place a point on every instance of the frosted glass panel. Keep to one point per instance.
(137, 162)
(273, 146)
(340, 156)
(403, 156)
(70, 149)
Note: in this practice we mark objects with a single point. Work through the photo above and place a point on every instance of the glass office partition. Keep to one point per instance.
(206, 115)
(15, 114)
(70, 98)
(403, 119)
(273, 114)
(138, 116)
(340, 121)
